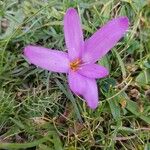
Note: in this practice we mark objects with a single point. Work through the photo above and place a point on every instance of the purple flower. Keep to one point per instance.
(79, 63)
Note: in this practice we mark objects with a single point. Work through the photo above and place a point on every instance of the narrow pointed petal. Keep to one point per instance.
(105, 39)
(91, 94)
(93, 71)
(73, 34)
(85, 87)
(48, 59)
(77, 82)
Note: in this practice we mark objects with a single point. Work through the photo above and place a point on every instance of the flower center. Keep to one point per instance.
(74, 65)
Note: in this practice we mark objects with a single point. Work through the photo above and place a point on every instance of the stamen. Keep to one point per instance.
(74, 65)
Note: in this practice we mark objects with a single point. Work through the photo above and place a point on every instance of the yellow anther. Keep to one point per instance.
(74, 65)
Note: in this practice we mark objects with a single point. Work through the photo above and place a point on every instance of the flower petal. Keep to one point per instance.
(77, 82)
(104, 39)
(85, 87)
(93, 71)
(73, 34)
(91, 94)
(48, 59)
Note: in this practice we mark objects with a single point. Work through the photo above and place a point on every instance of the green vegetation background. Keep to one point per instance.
(38, 111)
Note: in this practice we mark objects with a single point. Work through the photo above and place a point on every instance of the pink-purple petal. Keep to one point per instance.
(77, 82)
(93, 71)
(85, 87)
(73, 34)
(105, 39)
(91, 94)
(48, 59)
